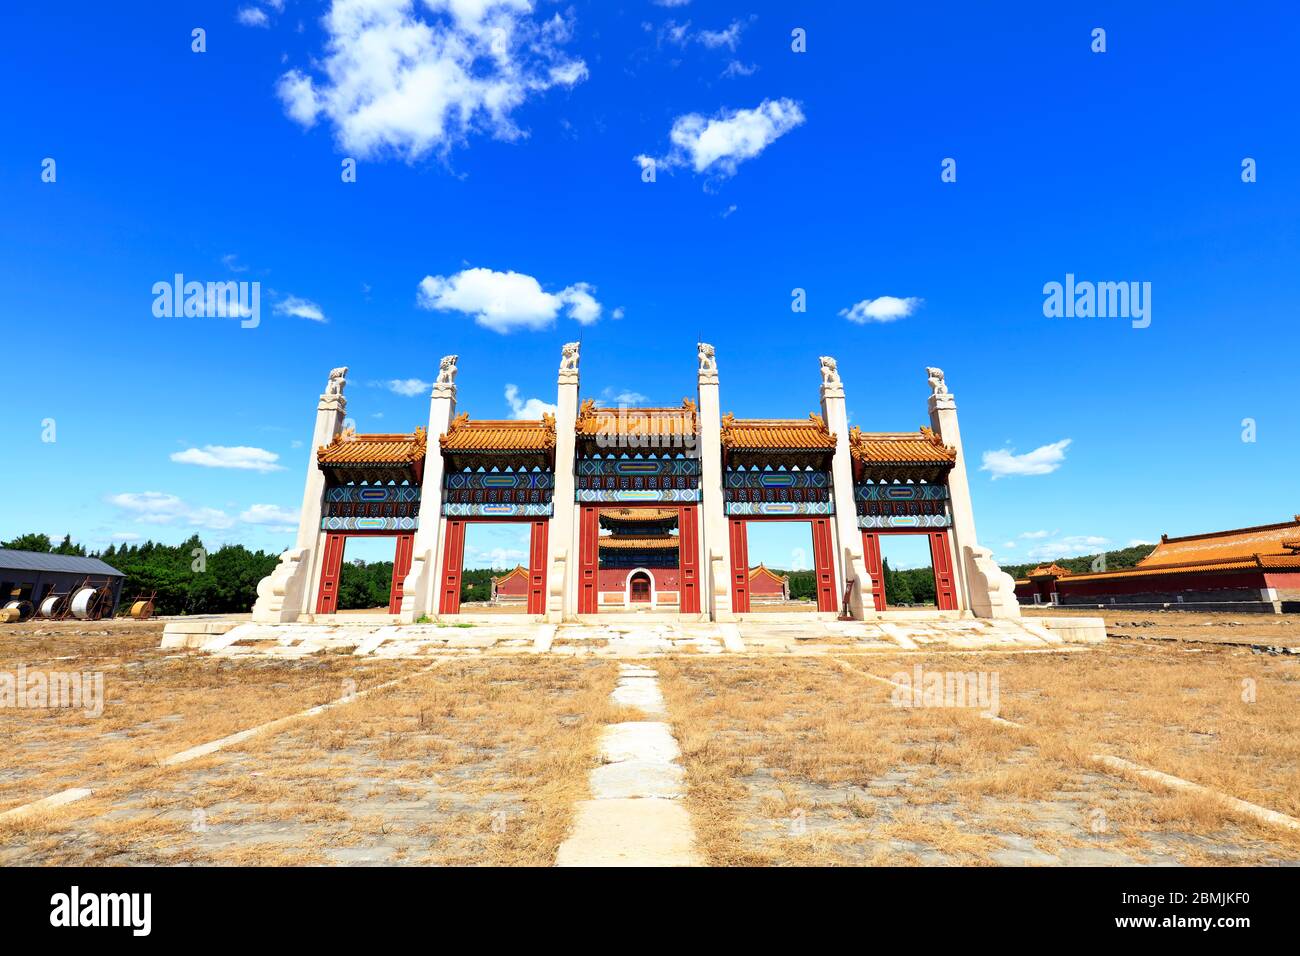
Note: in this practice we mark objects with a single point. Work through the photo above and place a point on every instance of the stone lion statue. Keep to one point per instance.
(707, 362)
(937, 386)
(338, 378)
(830, 371)
(447, 370)
(569, 357)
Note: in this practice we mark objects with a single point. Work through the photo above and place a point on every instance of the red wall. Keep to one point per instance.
(666, 579)
(514, 586)
(1165, 583)
(764, 585)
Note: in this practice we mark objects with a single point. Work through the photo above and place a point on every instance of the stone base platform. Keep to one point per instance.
(909, 632)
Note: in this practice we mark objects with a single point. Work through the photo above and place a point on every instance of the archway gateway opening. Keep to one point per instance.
(751, 587)
(495, 577)
(909, 548)
(453, 563)
(332, 578)
(638, 557)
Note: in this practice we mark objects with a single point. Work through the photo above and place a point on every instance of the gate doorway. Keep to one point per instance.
(746, 573)
(944, 593)
(629, 566)
(332, 578)
(453, 563)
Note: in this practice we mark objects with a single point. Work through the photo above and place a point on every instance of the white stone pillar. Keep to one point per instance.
(286, 592)
(419, 590)
(851, 567)
(716, 557)
(988, 590)
(561, 539)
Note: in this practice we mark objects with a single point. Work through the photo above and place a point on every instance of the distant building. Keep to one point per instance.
(768, 587)
(34, 575)
(511, 587)
(1243, 569)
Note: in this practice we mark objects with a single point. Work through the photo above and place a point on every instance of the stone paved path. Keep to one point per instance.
(635, 816)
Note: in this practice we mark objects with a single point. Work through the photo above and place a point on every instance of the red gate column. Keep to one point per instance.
(588, 558)
(824, 564)
(945, 586)
(739, 567)
(688, 558)
(452, 562)
(327, 599)
(401, 568)
(871, 554)
(537, 568)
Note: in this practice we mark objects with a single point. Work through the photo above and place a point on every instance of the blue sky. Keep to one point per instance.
(817, 170)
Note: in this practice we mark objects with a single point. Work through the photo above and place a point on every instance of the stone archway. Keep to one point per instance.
(645, 575)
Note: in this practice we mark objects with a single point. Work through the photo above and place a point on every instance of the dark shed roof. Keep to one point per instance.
(71, 563)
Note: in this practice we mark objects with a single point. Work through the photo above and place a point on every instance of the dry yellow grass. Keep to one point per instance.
(478, 762)
(155, 703)
(1222, 717)
(799, 761)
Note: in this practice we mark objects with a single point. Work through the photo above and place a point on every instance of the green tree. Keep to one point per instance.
(29, 542)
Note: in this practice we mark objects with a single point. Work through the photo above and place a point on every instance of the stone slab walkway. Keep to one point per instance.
(635, 816)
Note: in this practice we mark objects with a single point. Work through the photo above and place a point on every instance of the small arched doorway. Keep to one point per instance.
(640, 588)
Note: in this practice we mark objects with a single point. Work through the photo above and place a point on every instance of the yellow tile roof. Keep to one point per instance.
(1048, 570)
(620, 543)
(1261, 548)
(776, 434)
(631, 515)
(1239, 543)
(349, 448)
(519, 569)
(487, 435)
(922, 447)
(595, 422)
(765, 571)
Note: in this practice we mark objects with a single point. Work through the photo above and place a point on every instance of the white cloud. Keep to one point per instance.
(533, 408)
(622, 396)
(670, 3)
(1068, 547)
(497, 558)
(300, 308)
(125, 536)
(1041, 461)
(155, 507)
(272, 516)
(735, 68)
(408, 386)
(720, 143)
(223, 456)
(1031, 535)
(1137, 542)
(729, 37)
(252, 17)
(886, 308)
(231, 262)
(1009, 545)
(395, 83)
(618, 313)
(505, 301)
